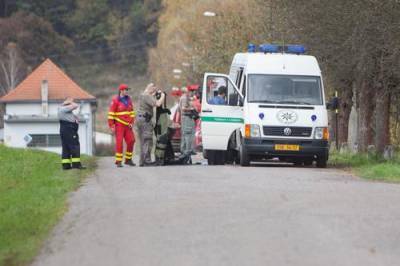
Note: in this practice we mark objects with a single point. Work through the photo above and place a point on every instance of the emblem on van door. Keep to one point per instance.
(287, 116)
(287, 131)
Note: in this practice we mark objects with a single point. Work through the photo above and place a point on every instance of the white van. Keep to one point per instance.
(272, 105)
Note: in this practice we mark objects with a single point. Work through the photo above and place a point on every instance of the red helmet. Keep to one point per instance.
(176, 92)
(123, 87)
(193, 87)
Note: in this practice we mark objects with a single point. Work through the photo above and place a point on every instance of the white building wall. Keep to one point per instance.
(36, 109)
(14, 132)
(103, 138)
(23, 109)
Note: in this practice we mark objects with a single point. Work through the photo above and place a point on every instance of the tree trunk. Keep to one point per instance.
(344, 114)
(382, 115)
(366, 108)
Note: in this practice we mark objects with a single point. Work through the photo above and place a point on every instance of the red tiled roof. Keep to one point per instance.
(59, 84)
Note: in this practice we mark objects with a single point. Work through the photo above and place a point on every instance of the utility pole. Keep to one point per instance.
(336, 120)
(271, 36)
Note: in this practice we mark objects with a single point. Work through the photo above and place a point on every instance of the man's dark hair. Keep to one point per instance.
(222, 90)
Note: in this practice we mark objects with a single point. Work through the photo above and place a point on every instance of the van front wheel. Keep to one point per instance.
(322, 162)
(244, 156)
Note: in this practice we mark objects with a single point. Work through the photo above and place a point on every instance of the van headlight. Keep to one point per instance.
(252, 131)
(321, 133)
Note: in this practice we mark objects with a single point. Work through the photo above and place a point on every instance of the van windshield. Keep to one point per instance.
(285, 89)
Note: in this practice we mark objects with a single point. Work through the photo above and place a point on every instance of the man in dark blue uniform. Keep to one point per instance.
(70, 157)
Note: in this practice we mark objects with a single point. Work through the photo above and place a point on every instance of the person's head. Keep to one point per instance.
(212, 84)
(222, 91)
(184, 90)
(176, 93)
(68, 101)
(123, 90)
(150, 89)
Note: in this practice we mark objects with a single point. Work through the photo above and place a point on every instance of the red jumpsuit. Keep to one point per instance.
(120, 119)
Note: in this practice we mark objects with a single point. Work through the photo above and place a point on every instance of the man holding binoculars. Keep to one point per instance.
(189, 115)
(147, 101)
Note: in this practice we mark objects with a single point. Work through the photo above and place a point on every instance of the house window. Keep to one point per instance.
(43, 140)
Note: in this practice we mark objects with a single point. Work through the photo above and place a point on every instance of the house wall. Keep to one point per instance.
(14, 132)
(36, 109)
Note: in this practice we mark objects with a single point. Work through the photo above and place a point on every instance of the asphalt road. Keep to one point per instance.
(227, 215)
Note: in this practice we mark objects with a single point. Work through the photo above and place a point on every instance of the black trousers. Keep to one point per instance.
(70, 157)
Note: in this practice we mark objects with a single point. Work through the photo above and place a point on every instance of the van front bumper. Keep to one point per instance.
(266, 147)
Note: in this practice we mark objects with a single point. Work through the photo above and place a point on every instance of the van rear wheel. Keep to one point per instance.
(210, 157)
(215, 157)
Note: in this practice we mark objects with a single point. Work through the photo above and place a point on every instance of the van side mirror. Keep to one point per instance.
(333, 104)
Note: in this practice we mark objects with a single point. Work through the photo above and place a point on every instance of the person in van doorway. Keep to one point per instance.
(69, 125)
(187, 123)
(121, 117)
(144, 126)
(220, 99)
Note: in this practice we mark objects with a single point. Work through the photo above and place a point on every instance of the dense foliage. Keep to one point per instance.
(76, 34)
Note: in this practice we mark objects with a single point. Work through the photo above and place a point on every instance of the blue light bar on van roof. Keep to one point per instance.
(251, 48)
(269, 48)
(274, 48)
(295, 49)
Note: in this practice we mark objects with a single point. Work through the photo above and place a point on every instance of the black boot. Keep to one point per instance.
(130, 163)
(78, 166)
(118, 164)
(66, 166)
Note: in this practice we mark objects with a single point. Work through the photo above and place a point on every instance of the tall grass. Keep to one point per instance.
(33, 192)
(369, 166)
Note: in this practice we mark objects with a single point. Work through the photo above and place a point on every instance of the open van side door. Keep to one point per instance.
(221, 113)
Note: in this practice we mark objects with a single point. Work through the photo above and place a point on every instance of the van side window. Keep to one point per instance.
(239, 77)
(220, 91)
(233, 95)
(243, 86)
(217, 90)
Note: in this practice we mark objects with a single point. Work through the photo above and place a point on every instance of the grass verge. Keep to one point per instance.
(371, 167)
(33, 193)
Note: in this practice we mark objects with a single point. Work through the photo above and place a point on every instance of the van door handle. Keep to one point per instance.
(207, 111)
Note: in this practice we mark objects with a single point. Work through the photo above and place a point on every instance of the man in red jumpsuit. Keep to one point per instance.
(120, 120)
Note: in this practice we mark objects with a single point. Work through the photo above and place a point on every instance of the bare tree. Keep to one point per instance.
(11, 68)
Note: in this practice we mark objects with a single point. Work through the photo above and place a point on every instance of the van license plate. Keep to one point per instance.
(286, 147)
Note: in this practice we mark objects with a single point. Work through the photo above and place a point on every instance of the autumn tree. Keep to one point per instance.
(355, 43)
(11, 68)
(34, 37)
(197, 44)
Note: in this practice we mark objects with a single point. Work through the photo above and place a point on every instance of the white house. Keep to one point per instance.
(30, 118)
